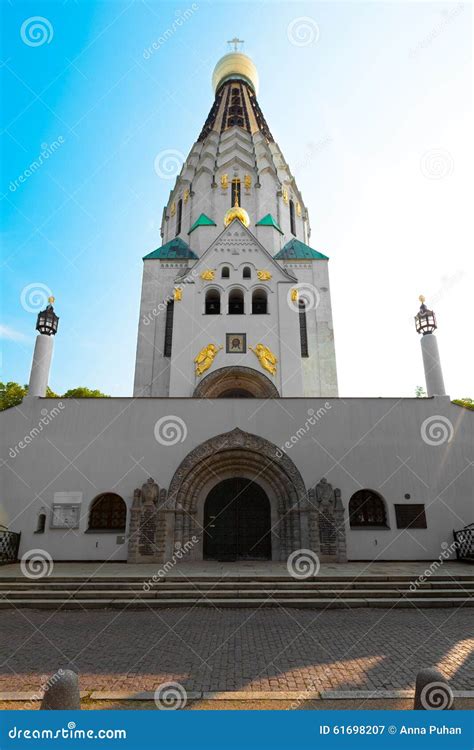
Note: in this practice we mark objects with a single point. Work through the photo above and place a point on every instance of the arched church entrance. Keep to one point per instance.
(246, 467)
(237, 522)
(236, 382)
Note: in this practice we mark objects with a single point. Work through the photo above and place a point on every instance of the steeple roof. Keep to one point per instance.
(235, 105)
(297, 250)
(202, 221)
(175, 248)
(268, 221)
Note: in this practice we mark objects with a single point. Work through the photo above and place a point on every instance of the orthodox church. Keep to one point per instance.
(236, 444)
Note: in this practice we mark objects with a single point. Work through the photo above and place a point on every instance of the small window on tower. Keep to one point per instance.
(235, 192)
(303, 329)
(213, 302)
(179, 216)
(292, 218)
(259, 302)
(168, 328)
(225, 272)
(246, 273)
(236, 302)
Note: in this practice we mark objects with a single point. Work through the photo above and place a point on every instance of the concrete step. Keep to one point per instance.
(323, 603)
(214, 593)
(230, 580)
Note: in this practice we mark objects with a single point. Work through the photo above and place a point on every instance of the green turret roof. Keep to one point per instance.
(203, 221)
(268, 221)
(294, 249)
(176, 248)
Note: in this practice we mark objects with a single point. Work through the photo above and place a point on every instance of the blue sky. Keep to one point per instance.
(374, 118)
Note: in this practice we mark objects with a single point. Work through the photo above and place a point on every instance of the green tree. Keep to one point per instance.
(12, 394)
(420, 392)
(468, 403)
(83, 392)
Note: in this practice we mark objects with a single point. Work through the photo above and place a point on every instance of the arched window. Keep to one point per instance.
(108, 512)
(292, 218)
(236, 302)
(213, 302)
(367, 508)
(259, 302)
(303, 329)
(246, 273)
(225, 273)
(235, 192)
(41, 523)
(168, 328)
(179, 216)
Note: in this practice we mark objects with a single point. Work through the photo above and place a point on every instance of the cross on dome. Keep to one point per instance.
(235, 41)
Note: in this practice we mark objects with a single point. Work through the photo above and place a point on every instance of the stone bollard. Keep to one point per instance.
(62, 692)
(432, 691)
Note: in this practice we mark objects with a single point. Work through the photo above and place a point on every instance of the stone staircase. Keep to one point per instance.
(82, 592)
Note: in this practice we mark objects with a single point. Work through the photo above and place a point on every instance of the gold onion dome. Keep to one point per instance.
(237, 212)
(235, 66)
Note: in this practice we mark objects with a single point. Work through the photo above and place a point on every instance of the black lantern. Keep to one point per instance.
(47, 322)
(425, 320)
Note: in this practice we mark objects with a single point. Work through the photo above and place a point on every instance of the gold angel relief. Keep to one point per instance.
(266, 358)
(208, 275)
(206, 357)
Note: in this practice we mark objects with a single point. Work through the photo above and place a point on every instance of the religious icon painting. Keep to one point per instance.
(236, 343)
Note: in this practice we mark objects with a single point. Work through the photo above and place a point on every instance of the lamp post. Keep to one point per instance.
(47, 325)
(425, 323)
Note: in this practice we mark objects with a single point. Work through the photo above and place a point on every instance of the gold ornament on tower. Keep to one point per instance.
(284, 193)
(186, 196)
(237, 212)
(173, 209)
(51, 300)
(298, 209)
(205, 358)
(177, 294)
(247, 182)
(266, 358)
(422, 298)
(224, 181)
(294, 295)
(264, 275)
(208, 275)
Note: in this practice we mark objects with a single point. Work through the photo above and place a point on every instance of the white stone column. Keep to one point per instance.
(40, 366)
(432, 364)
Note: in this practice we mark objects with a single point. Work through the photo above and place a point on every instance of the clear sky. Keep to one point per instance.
(372, 110)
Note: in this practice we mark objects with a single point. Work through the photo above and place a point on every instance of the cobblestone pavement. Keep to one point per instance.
(240, 649)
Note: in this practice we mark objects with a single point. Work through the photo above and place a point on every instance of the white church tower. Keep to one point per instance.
(235, 302)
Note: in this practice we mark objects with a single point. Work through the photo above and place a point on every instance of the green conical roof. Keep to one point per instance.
(296, 250)
(202, 221)
(268, 221)
(176, 248)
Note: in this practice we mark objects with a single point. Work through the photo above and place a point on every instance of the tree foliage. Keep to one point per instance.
(12, 394)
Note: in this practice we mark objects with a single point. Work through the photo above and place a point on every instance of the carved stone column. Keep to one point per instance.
(146, 538)
(332, 533)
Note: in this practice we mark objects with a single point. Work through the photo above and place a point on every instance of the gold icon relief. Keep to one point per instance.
(208, 275)
(224, 181)
(186, 196)
(173, 209)
(264, 275)
(177, 294)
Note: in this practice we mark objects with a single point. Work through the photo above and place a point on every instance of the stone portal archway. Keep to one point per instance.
(227, 456)
(222, 382)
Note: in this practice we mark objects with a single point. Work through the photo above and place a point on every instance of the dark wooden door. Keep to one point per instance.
(237, 522)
